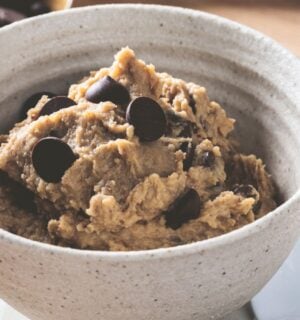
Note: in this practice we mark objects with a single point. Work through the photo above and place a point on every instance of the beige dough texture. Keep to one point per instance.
(117, 192)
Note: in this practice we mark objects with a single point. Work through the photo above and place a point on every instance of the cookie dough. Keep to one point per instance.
(137, 160)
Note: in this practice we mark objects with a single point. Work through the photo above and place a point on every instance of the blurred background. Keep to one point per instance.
(279, 19)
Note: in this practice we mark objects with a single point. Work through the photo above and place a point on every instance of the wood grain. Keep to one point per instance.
(279, 19)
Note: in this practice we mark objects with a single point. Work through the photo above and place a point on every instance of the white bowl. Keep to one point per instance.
(256, 80)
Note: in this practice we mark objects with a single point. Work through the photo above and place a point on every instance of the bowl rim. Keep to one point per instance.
(185, 249)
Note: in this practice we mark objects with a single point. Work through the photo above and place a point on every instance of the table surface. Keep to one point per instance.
(279, 19)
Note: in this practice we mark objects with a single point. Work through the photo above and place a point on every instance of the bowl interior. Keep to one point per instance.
(236, 66)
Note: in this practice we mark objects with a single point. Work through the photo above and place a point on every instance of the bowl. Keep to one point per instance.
(256, 80)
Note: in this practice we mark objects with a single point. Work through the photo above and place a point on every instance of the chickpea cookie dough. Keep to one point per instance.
(131, 159)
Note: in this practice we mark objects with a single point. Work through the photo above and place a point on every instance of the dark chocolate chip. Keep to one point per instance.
(8, 16)
(245, 190)
(147, 117)
(185, 208)
(189, 149)
(55, 104)
(51, 157)
(208, 159)
(193, 104)
(38, 7)
(108, 89)
(33, 100)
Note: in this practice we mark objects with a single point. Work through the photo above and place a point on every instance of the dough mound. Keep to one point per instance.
(118, 191)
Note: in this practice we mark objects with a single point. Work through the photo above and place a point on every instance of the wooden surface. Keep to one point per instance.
(55, 4)
(279, 19)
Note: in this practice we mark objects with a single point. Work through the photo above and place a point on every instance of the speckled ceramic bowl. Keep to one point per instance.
(257, 81)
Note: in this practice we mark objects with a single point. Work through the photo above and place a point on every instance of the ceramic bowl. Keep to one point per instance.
(256, 80)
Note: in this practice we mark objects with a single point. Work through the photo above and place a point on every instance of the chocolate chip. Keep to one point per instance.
(108, 89)
(8, 16)
(55, 104)
(147, 117)
(38, 7)
(189, 149)
(245, 190)
(33, 100)
(51, 157)
(208, 159)
(185, 208)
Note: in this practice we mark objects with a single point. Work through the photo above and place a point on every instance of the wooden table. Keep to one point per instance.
(279, 19)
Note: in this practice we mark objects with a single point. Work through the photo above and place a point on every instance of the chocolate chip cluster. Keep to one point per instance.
(150, 123)
(145, 114)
